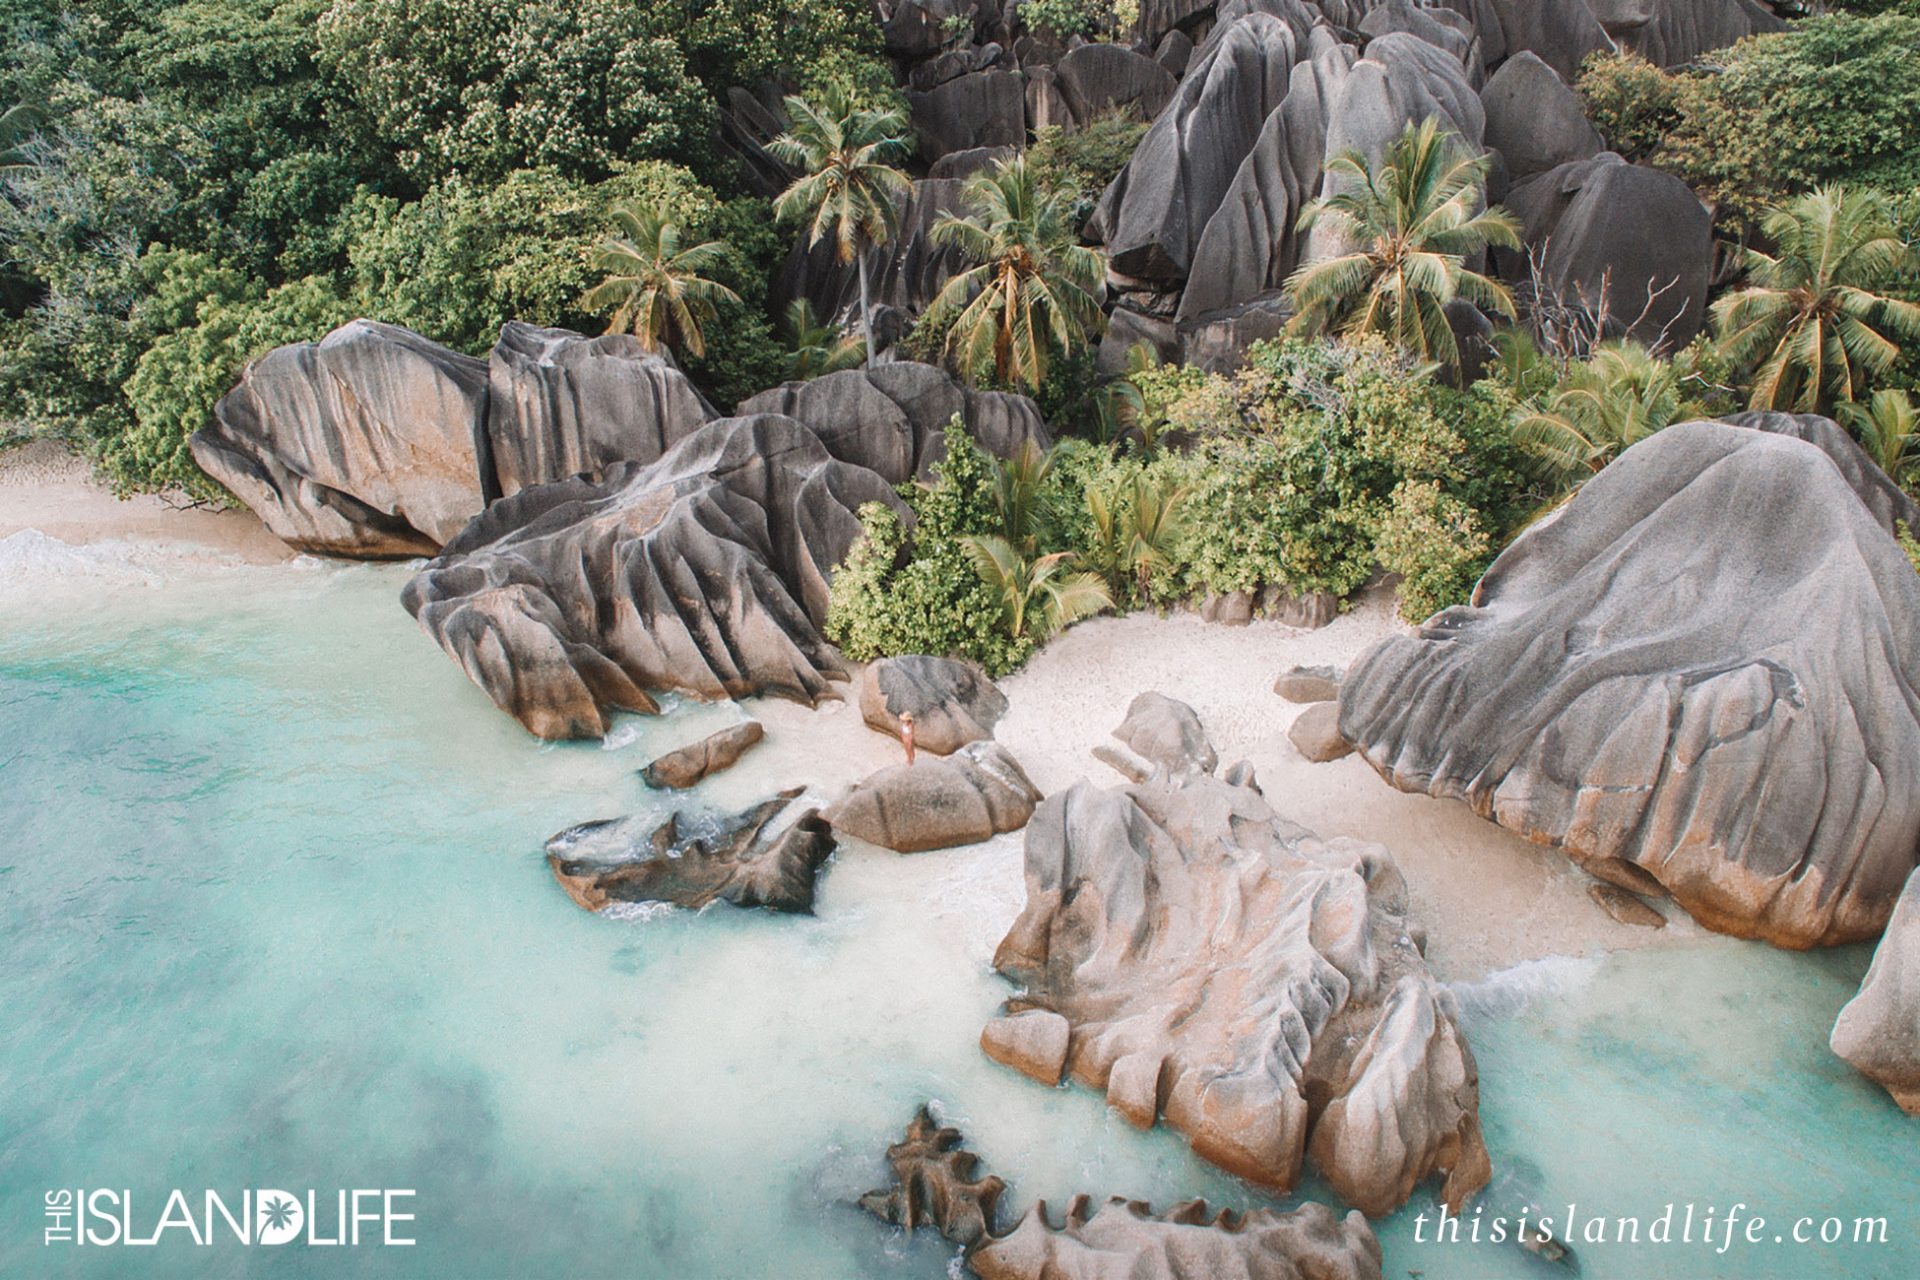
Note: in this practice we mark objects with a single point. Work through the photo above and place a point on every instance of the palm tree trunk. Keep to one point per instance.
(866, 306)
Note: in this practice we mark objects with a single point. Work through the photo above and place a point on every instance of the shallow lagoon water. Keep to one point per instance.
(273, 914)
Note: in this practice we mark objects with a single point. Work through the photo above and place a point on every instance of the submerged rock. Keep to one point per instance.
(1879, 1030)
(1210, 964)
(1125, 1240)
(680, 769)
(705, 571)
(934, 1185)
(362, 444)
(692, 860)
(972, 795)
(952, 702)
(1701, 667)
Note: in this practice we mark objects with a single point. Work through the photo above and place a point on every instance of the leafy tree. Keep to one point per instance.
(1034, 290)
(1414, 217)
(848, 190)
(654, 286)
(17, 123)
(1888, 428)
(1812, 325)
(816, 348)
(1618, 397)
(1039, 594)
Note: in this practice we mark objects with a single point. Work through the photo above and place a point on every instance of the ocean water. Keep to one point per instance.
(274, 914)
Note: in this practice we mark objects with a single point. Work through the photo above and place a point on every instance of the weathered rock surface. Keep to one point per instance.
(678, 770)
(1101, 77)
(704, 572)
(980, 109)
(561, 404)
(1703, 667)
(906, 273)
(1167, 734)
(692, 860)
(1670, 32)
(935, 1184)
(1625, 907)
(1879, 1030)
(1308, 684)
(1315, 733)
(1125, 1240)
(952, 702)
(972, 795)
(1534, 118)
(1561, 32)
(1255, 987)
(893, 418)
(362, 444)
(1619, 238)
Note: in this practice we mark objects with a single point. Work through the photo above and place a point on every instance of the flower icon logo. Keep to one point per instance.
(280, 1217)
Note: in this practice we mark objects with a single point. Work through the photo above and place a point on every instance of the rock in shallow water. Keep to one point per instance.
(1254, 986)
(680, 769)
(972, 795)
(1702, 666)
(934, 1185)
(952, 702)
(691, 860)
(1879, 1030)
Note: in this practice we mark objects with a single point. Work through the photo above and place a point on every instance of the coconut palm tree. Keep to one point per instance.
(847, 190)
(1413, 218)
(1888, 428)
(1133, 528)
(655, 287)
(1618, 397)
(1812, 325)
(1038, 595)
(1033, 290)
(1019, 495)
(816, 348)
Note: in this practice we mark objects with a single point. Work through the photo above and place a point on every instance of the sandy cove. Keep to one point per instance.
(1489, 899)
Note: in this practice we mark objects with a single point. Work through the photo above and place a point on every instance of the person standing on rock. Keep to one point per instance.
(906, 733)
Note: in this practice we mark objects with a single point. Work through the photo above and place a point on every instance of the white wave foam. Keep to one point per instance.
(1508, 992)
(637, 911)
(30, 556)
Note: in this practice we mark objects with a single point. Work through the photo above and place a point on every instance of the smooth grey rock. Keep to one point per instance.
(1624, 906)
(691, 860)
(1234, 609)
(560, 404)
(893, 418)
(1217, 341)
(1173, 52)
(972, 795)
(1668, 33)
(1308, 684)
(1167, 734)
(1879, 1029)
(704, 572)
(1216, 964)
(1100, 77)
(1428, 25)
(1309, 612)
(1127, 329)
(952, 702)
(362, 444)
(980, 109)
(1315, 733)
(1702, 666)
(1561, 32)
(1534, 120)
(1046, 105)
(1125, 1240)
(678, 770)
(962, 165)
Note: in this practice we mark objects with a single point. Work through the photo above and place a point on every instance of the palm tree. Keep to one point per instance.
(1618, 397)
(816, 348)
(1811, 325)
(847, 189)
(654, 286)
(1039, 596)
(1033, 289)
(1157, 517)
(1888, 428)
(1019, 495)
(1414, 217)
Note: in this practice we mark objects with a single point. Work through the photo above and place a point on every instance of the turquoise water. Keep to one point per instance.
(273, 913)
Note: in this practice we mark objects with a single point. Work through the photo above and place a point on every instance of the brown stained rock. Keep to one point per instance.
(1167, 734)
(1308, 684)
(1315, 733)
(1031, 1041)
(934, 1185)
(952, 702)
(683, 768)
(1879, 1030)
(972, 795)
(1124, 763)
(1625, 907)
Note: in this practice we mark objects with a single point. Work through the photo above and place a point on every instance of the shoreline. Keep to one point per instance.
(1490, 901)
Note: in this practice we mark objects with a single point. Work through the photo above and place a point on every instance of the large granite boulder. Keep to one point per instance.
(979, 109)
(1698, 675)
(687, 766)
(893, 418)
(1621, 240)
(952, 702)
(1534, 119)
(1670, 32)
(1126, 1240)
(1153, 213)
(936, 1184)
(1101, 77)
(1879, 1030)
(1167, 735)
(561, 404)
(974, 794)
(704, 572)
(1562, 32)
(362, 444)
(693, 860)
(1207, 963)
